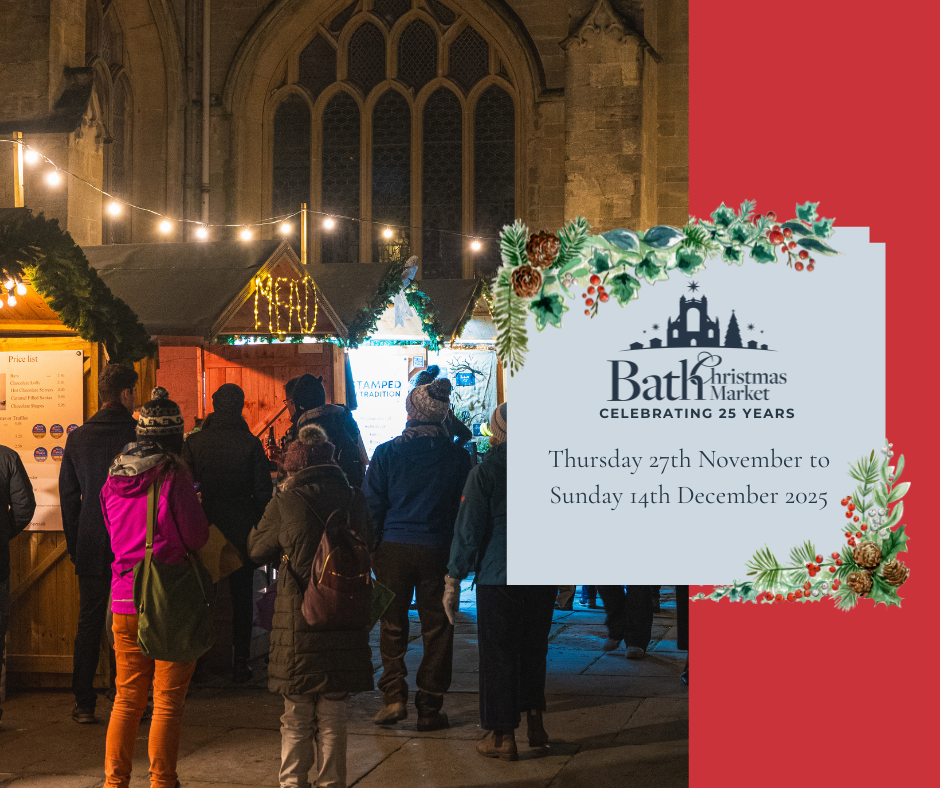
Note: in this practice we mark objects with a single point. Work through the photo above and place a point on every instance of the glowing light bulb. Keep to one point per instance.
(11, 300)
(387, 232)
(476, 246)
(9, 284)
(165, 227)
(53, 178)
(328, 223)
(30, 157)
(20, 289)
(114, 208)
(246, 234)
(202, 233)
(285, 228)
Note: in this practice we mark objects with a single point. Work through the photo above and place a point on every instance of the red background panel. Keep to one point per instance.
(832, 102)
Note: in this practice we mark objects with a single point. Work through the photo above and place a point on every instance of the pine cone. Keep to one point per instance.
(895, 572)
(867, 555)
(859, 582)
(526, 281)
(542, 249)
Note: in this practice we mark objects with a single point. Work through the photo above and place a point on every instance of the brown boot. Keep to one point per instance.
(499, 745)
(390, 714)
(535, 730)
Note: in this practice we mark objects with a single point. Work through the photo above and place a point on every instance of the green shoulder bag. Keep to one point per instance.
(173, 601)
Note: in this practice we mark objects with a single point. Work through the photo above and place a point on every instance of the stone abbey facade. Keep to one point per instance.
(439, 119)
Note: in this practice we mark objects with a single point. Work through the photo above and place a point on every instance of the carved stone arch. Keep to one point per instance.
(441, 82)
(349, 30)
(271, 107)
(398, 28)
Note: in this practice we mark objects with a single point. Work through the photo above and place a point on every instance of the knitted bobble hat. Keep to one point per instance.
(498, 425)
(428, 376)
(161, 416)
(312, 447)
(430, 402)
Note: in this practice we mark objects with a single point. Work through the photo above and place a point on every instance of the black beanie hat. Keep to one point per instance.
(228, 399)
(309, 392)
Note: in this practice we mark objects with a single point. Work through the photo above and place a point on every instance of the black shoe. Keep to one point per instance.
(567, 608)
(433, 722)
(242, 672)
(84, 716)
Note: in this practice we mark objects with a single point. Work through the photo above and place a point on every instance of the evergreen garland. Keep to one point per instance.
(366, 318)
(37, 248)
(421, 304)
(482, 289)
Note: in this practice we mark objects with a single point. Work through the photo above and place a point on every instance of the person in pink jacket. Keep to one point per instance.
(181, 526)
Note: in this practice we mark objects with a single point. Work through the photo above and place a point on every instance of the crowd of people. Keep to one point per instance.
(429, 517)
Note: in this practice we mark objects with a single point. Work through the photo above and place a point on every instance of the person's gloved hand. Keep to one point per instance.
(451, 598)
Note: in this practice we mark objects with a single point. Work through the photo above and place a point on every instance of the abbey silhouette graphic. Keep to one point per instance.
(694, 328)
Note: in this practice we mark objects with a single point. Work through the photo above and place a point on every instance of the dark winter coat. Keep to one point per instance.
(234, 477)
(340, 427)
(479, 543)
(89, 450)
(303, 661)
(17, 505)
(413, 488)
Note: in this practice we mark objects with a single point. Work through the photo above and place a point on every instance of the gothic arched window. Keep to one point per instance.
(400, 114)
(692, 320)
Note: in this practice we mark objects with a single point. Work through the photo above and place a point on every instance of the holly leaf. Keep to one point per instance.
(663, 237)
(651, 270)
(548, 310)
(733, 254)
(897, 543)
(627, 240)
(807, 211)
(823, 228)
(723, 216)
(798, 228)
(741, 232)
(623, 287)
(689, 261)
(763, 252)
(815, 245)
(882, 592)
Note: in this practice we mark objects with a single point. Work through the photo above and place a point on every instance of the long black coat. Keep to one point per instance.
(233, 474)
(17, 504)
(89, 451)
(302, 660)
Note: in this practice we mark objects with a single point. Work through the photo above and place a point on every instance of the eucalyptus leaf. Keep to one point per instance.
(663, 237)
(815, 245)
(627, 240)
(896, 514)
(899, 491)
(797, 228)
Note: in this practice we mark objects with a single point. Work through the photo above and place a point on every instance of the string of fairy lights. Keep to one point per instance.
(166, 225)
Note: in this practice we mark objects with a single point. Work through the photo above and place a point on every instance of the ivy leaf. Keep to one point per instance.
(723, 216)
(823, 228)
(883, 592)
(651, 270)
(548, 310)
(689, 261)
(763, 252)
(623, 287)
(663, 236)
(897, 543)
(741, 232)
(798, 228)
(627, 240)
(815, 245)
(807, 211)
(733, 254)
(600, 261)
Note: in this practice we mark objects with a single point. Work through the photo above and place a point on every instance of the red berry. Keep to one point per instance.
(772, 216)
(603, 297)
(851, 542)
(864, 527)
(851, 507)
(779, 597)
(838, 562)
(835, 555)
(791, 245)
(591, 290)
(855, 519)
(601, 288)
(775, 228)
(803, 255)
(787, 232)
(790, 597)
(775, 237)
(848, 514)
(811, 261)
(807, 585)
(595, 279)
(799, 266)
(811, 267)
(798, 595)
(858, 534)
(583, 295)
(587, 312)
(589, 302)
(832, 569)
(818, 558)
(844, 501)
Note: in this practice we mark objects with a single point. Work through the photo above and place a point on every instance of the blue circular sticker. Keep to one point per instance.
(55, 431)
(40, 454)
(57, 452)
(39, 430)
(72, 427)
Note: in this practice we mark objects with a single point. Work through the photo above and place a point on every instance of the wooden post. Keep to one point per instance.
(303, 233)
(19, 198)
(339, 375)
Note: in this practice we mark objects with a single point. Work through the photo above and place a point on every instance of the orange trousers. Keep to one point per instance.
(135, 674)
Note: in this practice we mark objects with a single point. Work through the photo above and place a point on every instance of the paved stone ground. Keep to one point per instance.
(611, 721)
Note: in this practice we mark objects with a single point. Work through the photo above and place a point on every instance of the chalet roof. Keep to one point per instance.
(348, 286)
(452, 299)
(182, 289)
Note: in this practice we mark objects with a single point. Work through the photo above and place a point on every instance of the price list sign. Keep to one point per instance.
(41, 402)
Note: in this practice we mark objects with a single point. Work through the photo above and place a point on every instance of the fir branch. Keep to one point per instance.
(574, 238)
(364, 322)
(512, 242)
(510, 312)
